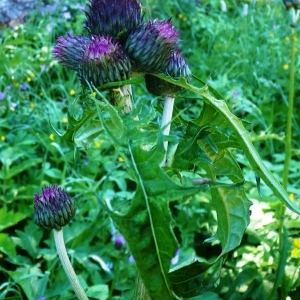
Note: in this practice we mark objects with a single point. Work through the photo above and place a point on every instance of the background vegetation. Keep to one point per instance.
(245, 56)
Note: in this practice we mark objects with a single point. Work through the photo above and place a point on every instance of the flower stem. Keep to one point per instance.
(166, 120)
(63, 256)
(285, 176)
(127, 97)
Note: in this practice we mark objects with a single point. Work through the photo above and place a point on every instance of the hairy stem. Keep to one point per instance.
(127, 96)
(166, 120)
(63, 256)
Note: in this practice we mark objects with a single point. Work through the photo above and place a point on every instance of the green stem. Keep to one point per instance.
(287, 161)
(63, 256)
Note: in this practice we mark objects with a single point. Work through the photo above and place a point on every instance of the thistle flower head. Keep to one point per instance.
(53, 208)
(69, 50)
(176, 68)
(103, 61)
(96, 59)
(151, 44)
(113, 17)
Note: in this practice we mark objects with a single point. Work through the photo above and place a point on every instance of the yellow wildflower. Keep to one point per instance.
(296, 248)
(98, 143)
(2, 138)
(292, 197)
(64, 120)
(72, 92)
(121, 159)
(51, 137)
(285, 66)
(32, 105)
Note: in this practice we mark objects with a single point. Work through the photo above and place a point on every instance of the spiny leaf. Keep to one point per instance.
(243, 137)
(188, 281)
(75, 125)
(232, 209)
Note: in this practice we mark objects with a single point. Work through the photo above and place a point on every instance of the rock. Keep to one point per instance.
(12, 10)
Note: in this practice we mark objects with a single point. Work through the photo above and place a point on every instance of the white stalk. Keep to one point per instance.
(65, 261)
(166, 120)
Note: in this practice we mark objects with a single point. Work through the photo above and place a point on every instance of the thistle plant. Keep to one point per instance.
(119, 44)
(53, 209)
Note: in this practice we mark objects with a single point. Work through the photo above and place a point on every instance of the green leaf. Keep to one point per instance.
(10, 218)
(232, 209)
(15, 170)
(188, 280)
(30, 239)
(248, 276)
(146, 224)
(7, 246)
(75, 125)
(209, 134)
(100, 291)
(242, 136)
(28, 278)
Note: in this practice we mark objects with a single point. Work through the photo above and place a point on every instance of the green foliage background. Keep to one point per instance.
(245, 58)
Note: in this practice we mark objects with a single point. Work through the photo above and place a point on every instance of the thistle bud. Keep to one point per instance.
(104, 61)
(113, 17)
(53, 208)
(176, 68)
(151, 44)
(69, 50)
(96, 59)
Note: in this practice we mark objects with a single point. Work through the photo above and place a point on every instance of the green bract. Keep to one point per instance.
(176, 68)
(150, 46)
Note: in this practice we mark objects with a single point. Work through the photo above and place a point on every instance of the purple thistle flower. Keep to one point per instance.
(113, 17)
(2, 95)
(176, 68)
(151, 44)
(53, 208)
(69, 50)
(97, 59)
(104, 61)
